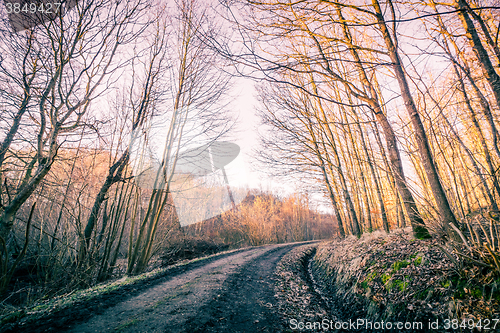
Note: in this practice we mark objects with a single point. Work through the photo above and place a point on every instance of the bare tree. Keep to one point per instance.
(295, 22)
(143, 96)
(54, 71)
(197, 86)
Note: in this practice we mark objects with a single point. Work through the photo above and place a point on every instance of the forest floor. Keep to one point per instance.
(229, 292)
(385, 278)
(283, 288)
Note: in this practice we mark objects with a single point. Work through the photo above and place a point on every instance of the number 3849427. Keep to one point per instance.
(25, 14)
(33, 8)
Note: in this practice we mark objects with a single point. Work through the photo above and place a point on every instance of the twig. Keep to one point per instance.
(461, 236)
(6, 278)
(493, 255)
(473, 260)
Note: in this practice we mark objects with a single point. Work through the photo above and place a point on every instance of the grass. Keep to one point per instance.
(58, 303)
(127, 324)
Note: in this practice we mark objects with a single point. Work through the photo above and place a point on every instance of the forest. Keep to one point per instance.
(386, 110)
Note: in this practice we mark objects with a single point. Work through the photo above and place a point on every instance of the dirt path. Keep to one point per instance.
(246, 301)
(230, 294)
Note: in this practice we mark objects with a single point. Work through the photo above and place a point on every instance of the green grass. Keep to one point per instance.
(127, 324)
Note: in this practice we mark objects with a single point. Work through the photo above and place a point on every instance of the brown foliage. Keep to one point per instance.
(262, 218)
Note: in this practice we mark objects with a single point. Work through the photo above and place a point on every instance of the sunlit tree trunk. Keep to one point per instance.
(394, 155)
(447, 216)
(482, 55)
(457, 67)
(337, 165)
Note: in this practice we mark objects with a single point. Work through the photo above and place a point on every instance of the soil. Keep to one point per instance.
(298, 300)
(228, 293)
(269, 288)
(246, 302)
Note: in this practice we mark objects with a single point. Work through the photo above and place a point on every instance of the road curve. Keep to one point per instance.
(231, 294)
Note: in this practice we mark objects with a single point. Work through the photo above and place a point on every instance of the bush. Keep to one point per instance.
(190, 248)
(480, 244)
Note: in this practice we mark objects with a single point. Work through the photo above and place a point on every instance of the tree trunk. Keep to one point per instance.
(114, 175)
(418, 226)
(482, 55)
(350, 206)
(447, 216)
(330, 191)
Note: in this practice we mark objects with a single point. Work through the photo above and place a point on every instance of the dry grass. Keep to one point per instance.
(396, 277)
(480, 246)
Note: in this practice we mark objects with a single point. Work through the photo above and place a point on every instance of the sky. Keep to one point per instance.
(244, 171)
(240, 172)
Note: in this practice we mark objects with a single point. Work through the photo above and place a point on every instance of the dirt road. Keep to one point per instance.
(233, 293)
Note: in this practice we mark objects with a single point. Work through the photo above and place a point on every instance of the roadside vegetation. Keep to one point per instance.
(398, 278)
(249, 225)
(385, 278)
(391, 108)
(383, 112)
(83, 197)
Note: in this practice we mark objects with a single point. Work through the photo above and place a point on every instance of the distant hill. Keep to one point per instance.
(262, 218)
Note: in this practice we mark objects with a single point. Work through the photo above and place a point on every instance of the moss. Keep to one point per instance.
(418, 261)
(401, 285)
(421, 232)
(386, 281)
(459, 294)
(399, 264)
(369, 278)
(372, 276)
(476, 292)
(423, 294)
(461, 286)
(446, 284)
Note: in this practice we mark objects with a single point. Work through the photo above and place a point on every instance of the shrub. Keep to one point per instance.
(190, 248)
(480, 244)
